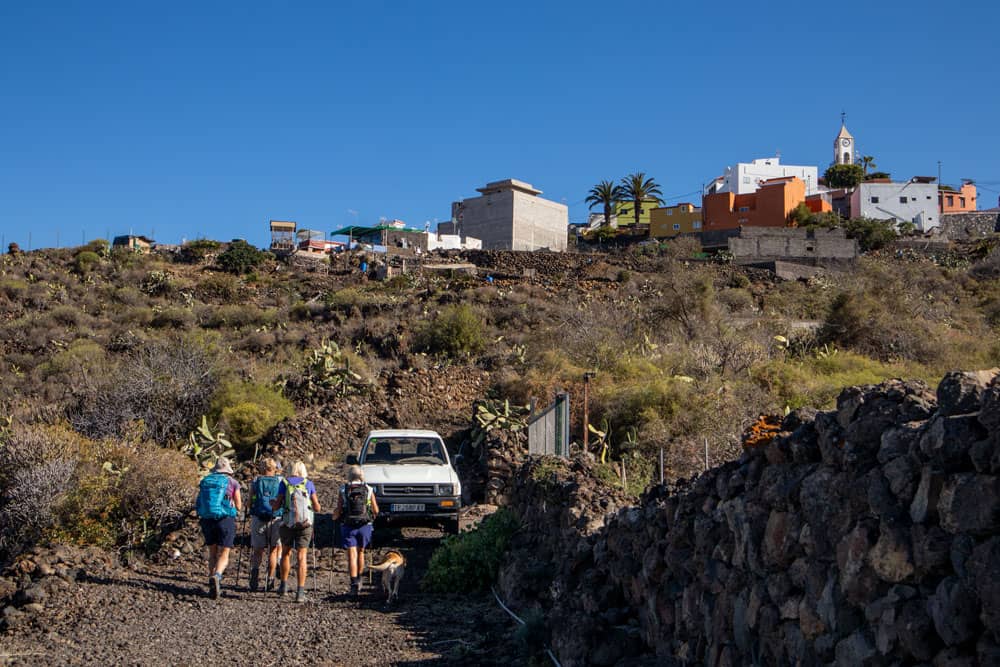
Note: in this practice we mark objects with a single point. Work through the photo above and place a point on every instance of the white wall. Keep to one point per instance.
(920, 207)
(746, 177)
(539, 223)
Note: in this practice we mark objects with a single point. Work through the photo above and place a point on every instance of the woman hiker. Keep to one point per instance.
(356, 511)
(265, 523)
(297, 495)
(218, 504)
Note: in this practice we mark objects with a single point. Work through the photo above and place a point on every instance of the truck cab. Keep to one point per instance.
(413, 478)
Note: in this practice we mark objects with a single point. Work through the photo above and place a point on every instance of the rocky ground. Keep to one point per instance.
(79, 607)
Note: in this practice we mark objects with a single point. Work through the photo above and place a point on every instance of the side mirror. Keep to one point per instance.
(351, 459)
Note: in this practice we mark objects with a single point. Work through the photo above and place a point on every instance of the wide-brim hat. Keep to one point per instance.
(223, 465)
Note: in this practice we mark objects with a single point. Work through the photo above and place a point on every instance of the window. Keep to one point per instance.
(902, 200)
(950, 199)
(746, 179)
(961, 202)
(742, 220)
(744, 209)
(696, 224)
(676, 226)
(670, 211)
(874, 200)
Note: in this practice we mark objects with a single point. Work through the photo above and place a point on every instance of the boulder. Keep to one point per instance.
(984, 578)
(923, 508)
(970, 503)
(892, 556)
(946, 442)
(955, 611)
(961, 393)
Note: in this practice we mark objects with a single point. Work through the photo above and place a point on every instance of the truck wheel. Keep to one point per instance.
(451, 526)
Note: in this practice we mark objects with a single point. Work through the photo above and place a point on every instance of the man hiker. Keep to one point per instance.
(265, 523)
(297, 495)
(218, 504)
(356, 511)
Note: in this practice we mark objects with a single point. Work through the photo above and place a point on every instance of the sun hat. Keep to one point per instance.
(223, 465)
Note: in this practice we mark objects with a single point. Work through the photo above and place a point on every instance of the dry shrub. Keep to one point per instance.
(220, 287)
(166, 385)
(173, 318)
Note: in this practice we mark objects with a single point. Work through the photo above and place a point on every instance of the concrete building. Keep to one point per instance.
(957, 201)
(668, 221)
(509, 215)
(769, 206)
(746, 177)
(755, 245)
(913, 201)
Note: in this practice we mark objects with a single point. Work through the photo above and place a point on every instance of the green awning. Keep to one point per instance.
(360, 232)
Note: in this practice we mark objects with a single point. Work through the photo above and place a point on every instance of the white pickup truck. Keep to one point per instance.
(412, 476)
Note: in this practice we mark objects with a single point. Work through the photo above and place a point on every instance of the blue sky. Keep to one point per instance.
(206, 119)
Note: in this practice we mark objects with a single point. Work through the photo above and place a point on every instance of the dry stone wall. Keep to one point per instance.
(866, 535)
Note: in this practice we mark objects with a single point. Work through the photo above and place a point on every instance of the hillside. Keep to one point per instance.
(110, 362)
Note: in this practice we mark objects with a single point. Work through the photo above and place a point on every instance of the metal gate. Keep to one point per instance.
(548, 432)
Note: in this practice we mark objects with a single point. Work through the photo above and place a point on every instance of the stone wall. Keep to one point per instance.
(969, 225)
(869, 534)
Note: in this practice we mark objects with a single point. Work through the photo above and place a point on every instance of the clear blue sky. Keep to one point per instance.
(206, 119)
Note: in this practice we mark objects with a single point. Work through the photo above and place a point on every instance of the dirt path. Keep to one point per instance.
(161, 614)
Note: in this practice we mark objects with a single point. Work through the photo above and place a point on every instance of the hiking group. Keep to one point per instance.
(282, 514)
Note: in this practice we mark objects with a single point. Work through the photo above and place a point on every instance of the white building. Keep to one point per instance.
(913, 201)
(509, 215)
(746, 177)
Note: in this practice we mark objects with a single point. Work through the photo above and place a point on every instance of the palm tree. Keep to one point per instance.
(867, 163)
(605, 194)
(637, 189)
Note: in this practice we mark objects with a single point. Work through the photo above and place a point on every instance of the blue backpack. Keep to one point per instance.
(265, 489)
(213, 503)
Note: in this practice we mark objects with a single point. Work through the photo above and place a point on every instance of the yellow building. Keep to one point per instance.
(626, 216)
(667, 221)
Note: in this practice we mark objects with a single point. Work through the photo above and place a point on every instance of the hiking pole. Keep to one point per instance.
(314, 562)
(239, 559)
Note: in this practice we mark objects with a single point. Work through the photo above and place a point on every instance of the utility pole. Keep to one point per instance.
(939, 173)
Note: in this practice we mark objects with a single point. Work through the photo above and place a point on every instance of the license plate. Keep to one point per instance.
(406, 507)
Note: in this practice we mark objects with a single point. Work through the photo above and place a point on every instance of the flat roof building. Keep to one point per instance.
(509, 215)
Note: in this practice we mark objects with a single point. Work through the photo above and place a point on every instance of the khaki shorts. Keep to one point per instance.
(264, 533)
(297, 538)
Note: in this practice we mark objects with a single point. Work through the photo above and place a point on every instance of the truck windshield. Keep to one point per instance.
(404, 450)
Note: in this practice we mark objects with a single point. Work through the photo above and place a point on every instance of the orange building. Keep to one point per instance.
(769, 206)
(960, 201)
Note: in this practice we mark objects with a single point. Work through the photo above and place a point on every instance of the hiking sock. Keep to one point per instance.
(300, 595)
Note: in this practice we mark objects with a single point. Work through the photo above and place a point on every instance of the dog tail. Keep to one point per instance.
(382, 566)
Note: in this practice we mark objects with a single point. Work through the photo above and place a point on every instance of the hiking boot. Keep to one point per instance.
(269, 585)
(354, 589)
(282, 588)
(214, 586)
(300, 595)
(253, 581)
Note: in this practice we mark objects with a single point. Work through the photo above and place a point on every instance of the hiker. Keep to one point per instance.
(297, 495)
(356, 511)
(265, 523)
(218, 504)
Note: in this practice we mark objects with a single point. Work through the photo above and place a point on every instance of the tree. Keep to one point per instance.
(800, 215)
(867, 163)
(604, 194)
(844, 175)
(637, 189)
(871, 234)
(240, 257)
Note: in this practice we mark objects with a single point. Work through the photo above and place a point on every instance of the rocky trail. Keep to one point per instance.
(160, 613)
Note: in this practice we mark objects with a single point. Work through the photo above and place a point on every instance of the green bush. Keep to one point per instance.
(469, 562)
(455, 331)
(85, 261)
(197, 250)
(239, 258)
(871, 234)
(249, 411)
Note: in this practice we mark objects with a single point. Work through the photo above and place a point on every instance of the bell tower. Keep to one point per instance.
(843, 145)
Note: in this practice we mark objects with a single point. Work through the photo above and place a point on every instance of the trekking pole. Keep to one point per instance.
(239, 560)
(314, 561)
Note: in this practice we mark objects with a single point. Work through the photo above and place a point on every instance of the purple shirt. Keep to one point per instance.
(295, 481)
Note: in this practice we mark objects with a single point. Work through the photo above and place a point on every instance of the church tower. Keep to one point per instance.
(843, 145)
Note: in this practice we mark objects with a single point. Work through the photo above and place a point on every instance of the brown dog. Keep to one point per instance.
(392, 568)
